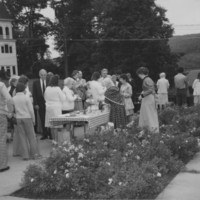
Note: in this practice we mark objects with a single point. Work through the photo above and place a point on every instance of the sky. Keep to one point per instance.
(184, 15)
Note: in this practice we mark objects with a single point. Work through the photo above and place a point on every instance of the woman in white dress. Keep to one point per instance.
(70, 97)
(96, 90)
(163, 86)
(196, 88)
(148, 112)
(54, 98)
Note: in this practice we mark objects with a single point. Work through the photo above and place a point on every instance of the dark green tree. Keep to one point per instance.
(73, 26)
(123, 35)
(140, 31)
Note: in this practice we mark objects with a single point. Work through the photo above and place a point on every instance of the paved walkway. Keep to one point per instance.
(186, 185)
(11, 179)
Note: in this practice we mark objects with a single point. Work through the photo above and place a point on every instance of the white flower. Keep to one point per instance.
(110, 124)
(159, 174)
(161, 142)
(120, 183)
(137, 157)
(65, 142)
(32, 180)
(105, 143)
(124, 159)
(80, 155)
(54, 142)
(65, 149)
(67, 175)
(55, 172)
(66, 171)
(71, 147)
(72, 160)
(110, 180)
(108, 163)
(129, 144)
(186, 141)
(141, 133)
(86, 140)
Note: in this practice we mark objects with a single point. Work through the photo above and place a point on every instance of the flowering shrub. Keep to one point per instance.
(118, 164)
(181, 133)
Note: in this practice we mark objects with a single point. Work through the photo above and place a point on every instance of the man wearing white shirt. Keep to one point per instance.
(39, 87)
(105, 79)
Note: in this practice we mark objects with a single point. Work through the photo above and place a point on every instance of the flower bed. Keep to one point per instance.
(117, 164)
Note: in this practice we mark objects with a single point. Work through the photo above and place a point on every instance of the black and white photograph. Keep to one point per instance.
(100, 99)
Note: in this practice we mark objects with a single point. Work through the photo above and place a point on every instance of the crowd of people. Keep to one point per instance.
(48, 99)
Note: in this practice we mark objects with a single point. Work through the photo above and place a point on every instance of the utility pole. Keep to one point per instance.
(62, 17)
(65, 48)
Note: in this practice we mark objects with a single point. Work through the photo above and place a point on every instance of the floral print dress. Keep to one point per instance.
(126, 92)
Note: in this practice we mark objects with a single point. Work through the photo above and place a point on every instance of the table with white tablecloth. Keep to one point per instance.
(89, 120)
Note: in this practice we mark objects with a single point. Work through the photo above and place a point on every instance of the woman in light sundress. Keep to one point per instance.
(148, 112)
(126, 92)
(196, 88)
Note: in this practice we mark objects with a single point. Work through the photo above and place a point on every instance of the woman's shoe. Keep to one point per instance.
(5, 169)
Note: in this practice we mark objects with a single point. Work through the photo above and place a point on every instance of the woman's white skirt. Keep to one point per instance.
(52, 111)
(148, 114)
(162, 99)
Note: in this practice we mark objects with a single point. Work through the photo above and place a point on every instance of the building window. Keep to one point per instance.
(10, 49)
(1, 30)
(8, 72)
(2, 49)
(14, 70)
(7, 31)
(6, 49)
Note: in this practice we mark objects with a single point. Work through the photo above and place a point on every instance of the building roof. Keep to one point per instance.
(4, 14)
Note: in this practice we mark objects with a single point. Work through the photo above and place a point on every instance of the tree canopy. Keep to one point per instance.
(116, 34)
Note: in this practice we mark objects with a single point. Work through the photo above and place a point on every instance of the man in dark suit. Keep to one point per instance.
(39, 87)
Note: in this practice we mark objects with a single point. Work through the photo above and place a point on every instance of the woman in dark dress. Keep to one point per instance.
(117, 107)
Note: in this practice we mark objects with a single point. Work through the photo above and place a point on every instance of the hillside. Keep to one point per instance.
(189, 47)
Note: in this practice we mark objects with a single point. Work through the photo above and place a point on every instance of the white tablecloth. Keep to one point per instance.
(92, 119)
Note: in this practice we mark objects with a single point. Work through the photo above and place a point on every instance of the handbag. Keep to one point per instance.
(13, 120)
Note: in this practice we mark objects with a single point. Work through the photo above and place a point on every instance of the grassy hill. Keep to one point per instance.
(189, 47)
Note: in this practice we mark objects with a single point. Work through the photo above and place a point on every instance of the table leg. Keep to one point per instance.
(72, 131)
(86, 130)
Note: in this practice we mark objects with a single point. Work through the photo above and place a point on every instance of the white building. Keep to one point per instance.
(8, 55)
